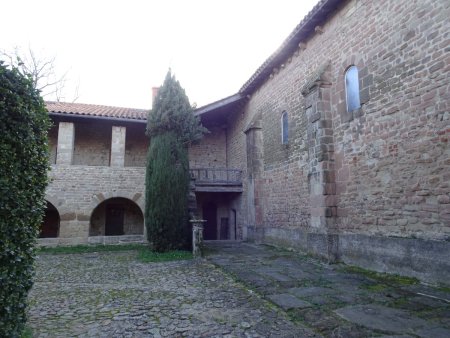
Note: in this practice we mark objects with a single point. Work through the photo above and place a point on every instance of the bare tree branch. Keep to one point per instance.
(42, 72)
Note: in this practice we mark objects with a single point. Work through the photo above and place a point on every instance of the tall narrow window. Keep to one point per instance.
(352, 89)
(284, 128)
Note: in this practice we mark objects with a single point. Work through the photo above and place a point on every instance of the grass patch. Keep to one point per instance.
(74, 249)
(27, 332)
(375, 287)
(444, 288)
(145, 255)
(382, 277)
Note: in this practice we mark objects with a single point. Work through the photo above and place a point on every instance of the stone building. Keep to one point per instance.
(96, 188)
(338, 145)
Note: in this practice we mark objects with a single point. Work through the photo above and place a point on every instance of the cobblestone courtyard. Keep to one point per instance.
(112, 295)
(240, 290)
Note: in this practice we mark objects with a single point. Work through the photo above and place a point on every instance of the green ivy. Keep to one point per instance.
(23, 177)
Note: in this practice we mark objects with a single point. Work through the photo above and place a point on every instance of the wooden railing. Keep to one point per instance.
(216, 176)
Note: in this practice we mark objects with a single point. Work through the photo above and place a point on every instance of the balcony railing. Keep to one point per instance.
(213, 176)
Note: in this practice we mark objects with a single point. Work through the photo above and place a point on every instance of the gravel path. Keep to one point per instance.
(113, 295)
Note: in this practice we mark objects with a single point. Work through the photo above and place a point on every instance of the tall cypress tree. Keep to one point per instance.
(171, 127)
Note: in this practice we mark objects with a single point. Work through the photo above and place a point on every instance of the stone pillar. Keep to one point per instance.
(197, 236)
(118, 146)
(66, 138)
(322, 186)
(192, 200)
(255, 167)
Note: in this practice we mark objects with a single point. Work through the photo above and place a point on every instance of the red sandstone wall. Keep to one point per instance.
(392, 157)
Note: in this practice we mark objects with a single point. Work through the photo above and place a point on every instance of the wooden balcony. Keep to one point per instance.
(217, 180)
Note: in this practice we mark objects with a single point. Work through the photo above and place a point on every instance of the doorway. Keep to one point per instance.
(114, 220)
(50, 222)
(210, 215)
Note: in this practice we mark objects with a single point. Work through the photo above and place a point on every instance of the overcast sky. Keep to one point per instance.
(118, 50)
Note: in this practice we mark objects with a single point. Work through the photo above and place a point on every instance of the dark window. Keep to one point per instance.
(284, 128)
(352, 89)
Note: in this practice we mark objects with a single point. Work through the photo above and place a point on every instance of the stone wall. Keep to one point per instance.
(75, 198)
(53, 142)
(92, 144)
(136, 145)
(210, 152)
(381, 170)
(392, 167)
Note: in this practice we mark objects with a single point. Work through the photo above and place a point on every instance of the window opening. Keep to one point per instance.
(352, 89)
(284, 128)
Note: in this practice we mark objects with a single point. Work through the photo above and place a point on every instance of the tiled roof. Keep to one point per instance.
(94, 110)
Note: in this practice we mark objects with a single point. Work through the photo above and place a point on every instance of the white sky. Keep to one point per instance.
(118, 50)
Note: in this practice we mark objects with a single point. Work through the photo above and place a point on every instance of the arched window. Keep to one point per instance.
(352, 89)
(284, 128)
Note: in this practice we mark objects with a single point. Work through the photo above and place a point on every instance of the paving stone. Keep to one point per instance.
(272, 273)
(382, 318)
(310, 291)
(434, 332)
(113, 295)
(326, 287)
(287, 301)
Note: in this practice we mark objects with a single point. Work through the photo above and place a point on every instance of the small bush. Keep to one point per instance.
(23, 178)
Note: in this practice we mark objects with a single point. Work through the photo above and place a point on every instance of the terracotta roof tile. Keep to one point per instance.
(65, 108)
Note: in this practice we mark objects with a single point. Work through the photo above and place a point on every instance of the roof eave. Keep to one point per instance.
(301, 33)
(220, 104)
(94, 117)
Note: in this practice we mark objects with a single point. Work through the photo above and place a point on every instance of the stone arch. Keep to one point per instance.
(51, 222)
(135, 197)
(116, 216)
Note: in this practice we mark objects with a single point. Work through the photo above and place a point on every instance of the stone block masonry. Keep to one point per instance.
(380, 171)
(76, 198)
(118, 146)
(66, 137)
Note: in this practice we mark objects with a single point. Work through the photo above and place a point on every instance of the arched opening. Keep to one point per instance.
(50, 223)
(116, 217)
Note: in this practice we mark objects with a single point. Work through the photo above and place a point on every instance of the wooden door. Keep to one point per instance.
(210, 215)
(114, 220)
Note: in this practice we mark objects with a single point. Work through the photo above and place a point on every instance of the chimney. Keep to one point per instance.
(154, 93)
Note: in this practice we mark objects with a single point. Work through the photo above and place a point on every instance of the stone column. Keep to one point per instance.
(66, 138)
(322, 183)
(118, 146)
(255, 167)
(197, 237)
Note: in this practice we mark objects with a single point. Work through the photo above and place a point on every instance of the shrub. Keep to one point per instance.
(23, 178)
